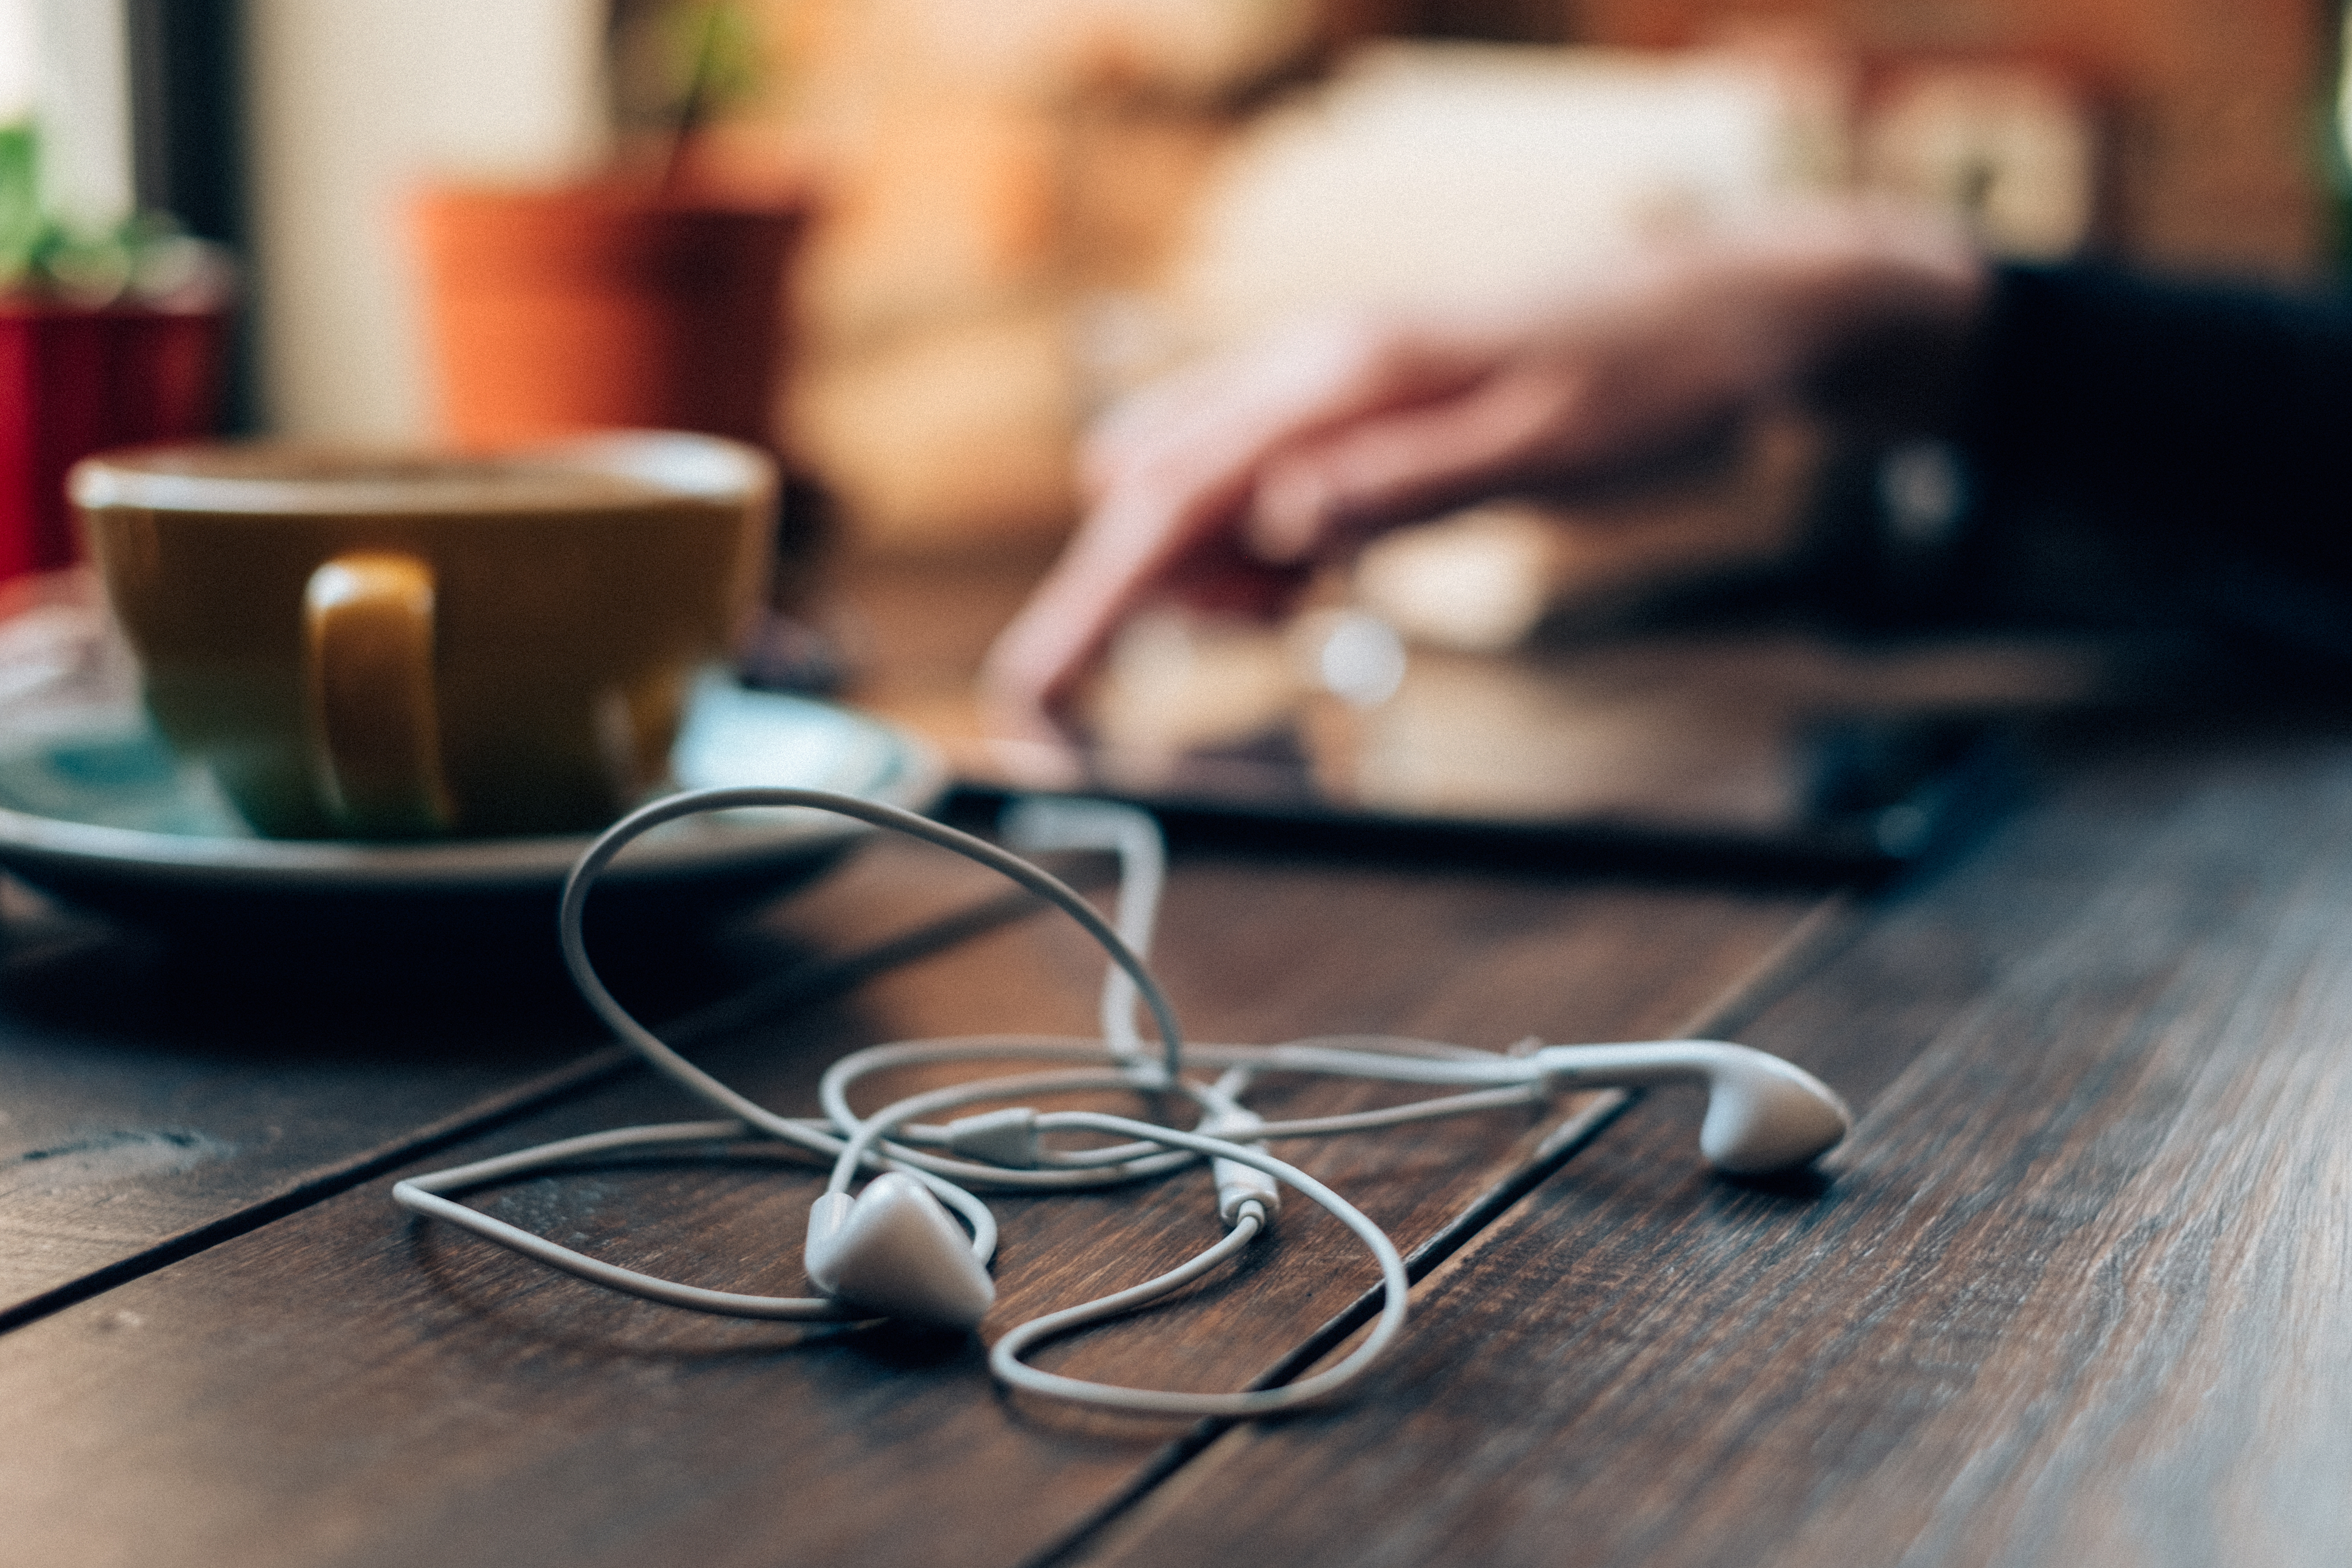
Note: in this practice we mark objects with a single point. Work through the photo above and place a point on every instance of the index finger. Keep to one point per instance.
(1127, 542)
(1176, 467)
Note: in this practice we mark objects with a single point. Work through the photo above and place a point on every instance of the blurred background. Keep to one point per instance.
(1014, 209)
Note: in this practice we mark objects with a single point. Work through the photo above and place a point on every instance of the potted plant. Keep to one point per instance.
(642, 297)
(108, 337)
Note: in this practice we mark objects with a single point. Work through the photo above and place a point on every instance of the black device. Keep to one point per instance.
(1774, 750)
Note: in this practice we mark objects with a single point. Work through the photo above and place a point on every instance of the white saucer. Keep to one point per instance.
(96, 809)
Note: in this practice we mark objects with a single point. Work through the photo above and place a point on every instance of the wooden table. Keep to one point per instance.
(2078, 1291)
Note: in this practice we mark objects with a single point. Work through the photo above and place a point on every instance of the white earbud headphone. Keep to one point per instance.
(895, 1250)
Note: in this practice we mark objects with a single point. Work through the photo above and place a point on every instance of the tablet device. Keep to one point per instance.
(1773, 747)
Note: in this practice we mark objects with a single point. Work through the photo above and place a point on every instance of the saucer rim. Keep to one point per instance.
(917, 779)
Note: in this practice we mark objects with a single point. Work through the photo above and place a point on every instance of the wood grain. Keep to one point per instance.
(2074, 1294)
(345, 1386)
(160, 1097)
(150, 1095)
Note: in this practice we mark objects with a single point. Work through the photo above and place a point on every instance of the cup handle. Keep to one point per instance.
(375, 739)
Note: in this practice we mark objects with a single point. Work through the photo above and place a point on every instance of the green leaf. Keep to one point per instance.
(21, 224)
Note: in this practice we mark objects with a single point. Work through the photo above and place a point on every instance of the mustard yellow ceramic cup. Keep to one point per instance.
(363, 646)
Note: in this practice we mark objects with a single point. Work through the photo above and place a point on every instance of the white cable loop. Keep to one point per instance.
(692, 803)
(1758, 1112)
(425, 1195)
(1395, 1288)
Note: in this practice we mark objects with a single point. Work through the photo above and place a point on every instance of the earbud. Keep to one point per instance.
(893, 1251)
(1763, 1114)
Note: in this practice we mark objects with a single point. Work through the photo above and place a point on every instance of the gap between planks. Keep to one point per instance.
(1816, 937)
(799, 984)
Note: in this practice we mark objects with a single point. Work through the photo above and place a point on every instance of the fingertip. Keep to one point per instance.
(1030, 662)
(1019, 725)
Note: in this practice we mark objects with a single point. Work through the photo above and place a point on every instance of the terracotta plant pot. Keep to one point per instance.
(75, 381)
(557, 311)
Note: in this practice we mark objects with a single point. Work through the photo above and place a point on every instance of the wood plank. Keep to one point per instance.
(150, 1093)
(2073, 1296)
(159, 1097)
(346, 1385)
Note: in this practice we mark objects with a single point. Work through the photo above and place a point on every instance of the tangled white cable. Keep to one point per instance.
(893, 1250)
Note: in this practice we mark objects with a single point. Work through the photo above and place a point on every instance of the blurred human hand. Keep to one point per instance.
(1225, 484)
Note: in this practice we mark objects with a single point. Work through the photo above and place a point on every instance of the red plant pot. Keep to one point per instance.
(75, 381)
